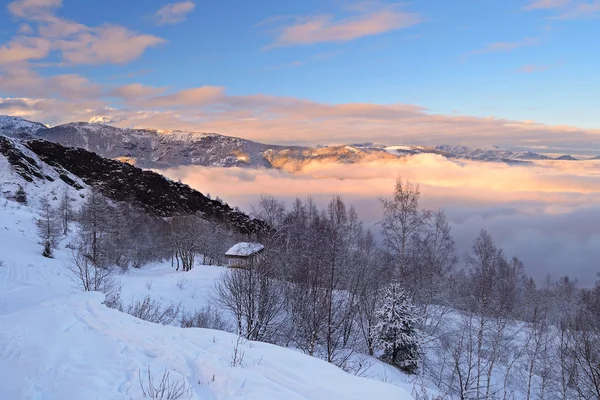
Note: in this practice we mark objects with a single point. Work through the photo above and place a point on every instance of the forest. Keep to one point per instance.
(475, 325)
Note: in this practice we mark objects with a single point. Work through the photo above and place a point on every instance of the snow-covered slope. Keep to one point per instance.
(59, 343)
(76, 348)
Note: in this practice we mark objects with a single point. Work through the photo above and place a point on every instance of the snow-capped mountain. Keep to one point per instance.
(18, 127)
(160, 149)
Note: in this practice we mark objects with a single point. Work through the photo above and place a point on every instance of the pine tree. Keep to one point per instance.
(395, 331)
(48, 226)
(20, 195)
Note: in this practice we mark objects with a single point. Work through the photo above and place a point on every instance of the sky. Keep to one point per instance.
(515, 73)
(520, 74)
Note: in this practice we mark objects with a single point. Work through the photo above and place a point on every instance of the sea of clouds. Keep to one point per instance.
(547, 213)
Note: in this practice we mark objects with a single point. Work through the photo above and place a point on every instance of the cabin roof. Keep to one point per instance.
(244, 249)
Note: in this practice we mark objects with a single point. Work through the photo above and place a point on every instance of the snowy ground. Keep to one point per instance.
(59, 343)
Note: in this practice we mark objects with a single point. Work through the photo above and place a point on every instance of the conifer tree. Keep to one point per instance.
(395, 331)
(20, 195)
(48, 227)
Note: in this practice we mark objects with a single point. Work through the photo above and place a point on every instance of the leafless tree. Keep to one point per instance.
(254, 297)
(402, 221)
(48, 227)
(185, 235)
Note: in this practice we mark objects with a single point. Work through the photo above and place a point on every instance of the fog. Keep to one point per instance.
(545, 213)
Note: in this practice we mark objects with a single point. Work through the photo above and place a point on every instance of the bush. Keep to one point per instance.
(165, 389)
(153, 311)
(207, 317)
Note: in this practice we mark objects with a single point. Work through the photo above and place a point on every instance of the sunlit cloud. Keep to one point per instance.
(539, 212)
(173, 13)
(499, 47)
(76, 43)
(546, 4)
(530, 68)
(581, 10)
(367, 21)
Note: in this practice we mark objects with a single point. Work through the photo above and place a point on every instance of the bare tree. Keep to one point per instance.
(95, 229)
(66, 211)
(91, 277)
(48, 227)
(254, 297)
(185, 236)
(402, 221)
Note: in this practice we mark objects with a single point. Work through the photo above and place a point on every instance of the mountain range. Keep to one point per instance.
(160, 149)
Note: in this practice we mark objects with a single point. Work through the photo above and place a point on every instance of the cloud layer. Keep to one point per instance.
(540, 213)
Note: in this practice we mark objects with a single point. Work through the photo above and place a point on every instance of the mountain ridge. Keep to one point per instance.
(162, 149)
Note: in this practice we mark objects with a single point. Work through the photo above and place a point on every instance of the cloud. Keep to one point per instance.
(326, 28)
(530, 68)
(546, 4)
(24, 48)
(33, 9)
(581, 10)
(134, 91)
(109, 44)
(287, 120)
(174, 12)
(540, 213)
(76, 43)
(67, 86)
(188, 97)
(504, 46)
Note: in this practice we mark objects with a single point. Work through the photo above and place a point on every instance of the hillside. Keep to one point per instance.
(60, 344)
(40, 161)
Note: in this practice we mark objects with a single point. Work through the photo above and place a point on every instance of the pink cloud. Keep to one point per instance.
(109, 44)
(23, 48)
(28, 83)
(136, 91)
(174, 12)
(75, 42)
(32, 9)
(325, 28)
(546, 4)
(189, 97)
(530, 68)
(582, 10)
(504, 46)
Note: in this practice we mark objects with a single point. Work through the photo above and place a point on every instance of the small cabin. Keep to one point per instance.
(243, 254)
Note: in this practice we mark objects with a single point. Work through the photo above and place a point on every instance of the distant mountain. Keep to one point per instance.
(18, 127)
(160, 149)
(566, 157)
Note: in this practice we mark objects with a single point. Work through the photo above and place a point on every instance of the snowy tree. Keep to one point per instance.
(66, 211)
(396, 330)
(48, 226)
(20, 195)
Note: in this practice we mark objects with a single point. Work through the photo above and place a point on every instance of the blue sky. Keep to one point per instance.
(464, 60)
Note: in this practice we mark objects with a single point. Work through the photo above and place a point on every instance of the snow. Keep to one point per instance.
(9, 125)
(244, 249)
(74, 347)
(57, 342)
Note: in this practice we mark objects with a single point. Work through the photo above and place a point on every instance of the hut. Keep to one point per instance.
(243, 254)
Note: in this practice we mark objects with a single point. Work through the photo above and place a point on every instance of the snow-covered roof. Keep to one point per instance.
(244, 249)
